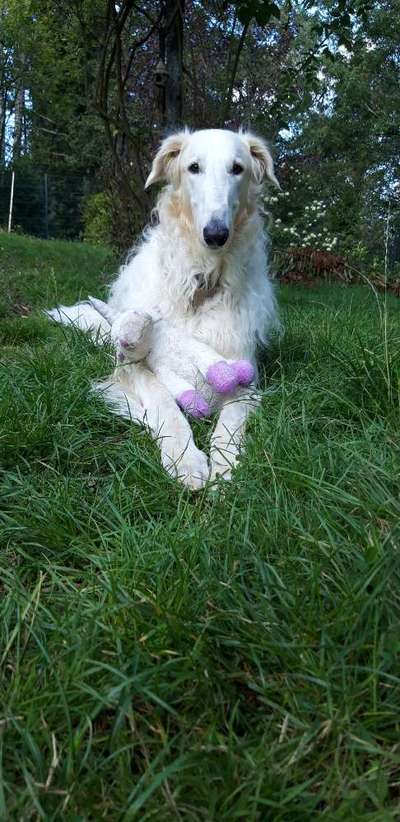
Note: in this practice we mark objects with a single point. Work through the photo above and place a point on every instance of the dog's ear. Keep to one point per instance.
(165, 163)
(262, 162)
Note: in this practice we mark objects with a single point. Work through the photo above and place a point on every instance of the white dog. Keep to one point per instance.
(204, 266)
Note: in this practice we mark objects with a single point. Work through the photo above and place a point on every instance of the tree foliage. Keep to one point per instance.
(88, 87)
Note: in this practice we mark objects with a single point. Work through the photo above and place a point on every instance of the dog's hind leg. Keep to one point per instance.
(83, 316)
(119, 401)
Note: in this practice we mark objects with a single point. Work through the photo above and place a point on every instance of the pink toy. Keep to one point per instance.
(222, 377)
(192, 402)
(245, 371)
(225, 377)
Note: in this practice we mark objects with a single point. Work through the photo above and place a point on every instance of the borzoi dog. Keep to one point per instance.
(203, 269)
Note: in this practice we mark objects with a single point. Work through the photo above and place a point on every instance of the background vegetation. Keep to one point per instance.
(84, 100)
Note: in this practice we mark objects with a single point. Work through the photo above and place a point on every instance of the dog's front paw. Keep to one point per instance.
(190, 467)
(131, 334)
(156, 313)
(221, 470)
(223, 462)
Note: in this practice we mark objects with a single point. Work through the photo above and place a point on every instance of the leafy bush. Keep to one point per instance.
(109, 221)
(97, 219)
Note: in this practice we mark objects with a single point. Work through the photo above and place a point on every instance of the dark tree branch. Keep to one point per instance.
(228, 98)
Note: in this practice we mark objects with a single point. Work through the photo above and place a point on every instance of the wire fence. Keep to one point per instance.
(43, 205)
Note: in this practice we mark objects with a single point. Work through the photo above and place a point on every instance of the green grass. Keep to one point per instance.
(175, 656)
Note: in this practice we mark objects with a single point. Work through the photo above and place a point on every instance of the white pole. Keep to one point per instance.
(11, 202)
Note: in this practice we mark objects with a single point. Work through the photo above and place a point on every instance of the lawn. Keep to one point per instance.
(199, 657)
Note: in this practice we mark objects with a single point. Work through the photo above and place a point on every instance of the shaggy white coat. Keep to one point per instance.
(168, 271)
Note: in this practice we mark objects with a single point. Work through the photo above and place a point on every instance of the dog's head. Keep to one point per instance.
(215, 171)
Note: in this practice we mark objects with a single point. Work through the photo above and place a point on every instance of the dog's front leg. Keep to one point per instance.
(137, 394)
(228, 435)
(179, 454)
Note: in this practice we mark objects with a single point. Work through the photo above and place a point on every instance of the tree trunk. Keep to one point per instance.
(3, 114)
(173, 44)
(228, 99)
(18, 122)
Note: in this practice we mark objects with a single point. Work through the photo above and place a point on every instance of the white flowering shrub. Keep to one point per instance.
(323, 214)
(299, 219)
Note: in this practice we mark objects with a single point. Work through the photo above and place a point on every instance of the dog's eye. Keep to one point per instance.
(236, 169)
(194, 168)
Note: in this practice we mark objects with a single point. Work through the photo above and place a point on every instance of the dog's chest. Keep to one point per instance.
(215, 323)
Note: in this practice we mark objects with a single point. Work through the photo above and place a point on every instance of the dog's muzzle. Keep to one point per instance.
(215, 233)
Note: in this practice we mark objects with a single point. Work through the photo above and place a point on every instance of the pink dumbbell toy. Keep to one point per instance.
(225, 377)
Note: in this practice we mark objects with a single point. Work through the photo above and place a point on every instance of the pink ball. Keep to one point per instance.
(222, 377)
(192, 402)
(244, 370)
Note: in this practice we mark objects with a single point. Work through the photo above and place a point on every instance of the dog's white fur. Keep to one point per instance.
(239, 309)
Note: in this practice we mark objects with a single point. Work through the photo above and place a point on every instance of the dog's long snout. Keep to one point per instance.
(215, 233)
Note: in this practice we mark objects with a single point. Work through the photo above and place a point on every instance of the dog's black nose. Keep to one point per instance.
(215, 233)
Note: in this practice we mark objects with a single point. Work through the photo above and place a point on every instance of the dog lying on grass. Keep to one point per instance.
(205, 266)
